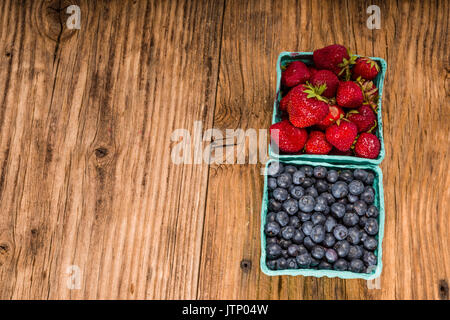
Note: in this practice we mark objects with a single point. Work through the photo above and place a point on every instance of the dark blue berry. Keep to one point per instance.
(282, 218)
(320, 172)
(349, 207)
(287, 232)
(298, 236)
(356, 187)
(284, 180)
(370, 178)
(309, 171)
(329, 240)
(314, 263)
(311, 191)
(368, 195)
(331, 256)
(304, 260)
(369, 259)
(362, 221)
(290, 206)
(338, 210)
(330, 199)
(281, 264)
(306, 203)
(307, 182)
(272, 183)
(321, 186)
(318, 233)
(323, 265)
(318, 218)
(354, 235)
(318, 252)
(360, 174)
(340, 265)
(360, 207)
(364, 236)
(332, 176)
(298, 177)
(340, 232)
(290, 169)
(370, 243)
(296, 192)
(271, 264)
(371, 226)
(294, 221)
(275, 168)
(372, 212)
(308, 243)
(271, 217)
(293, 250)
(355, 252)
(307, 227)
(284, 253)
(352, 198)
(320, 207)
(343, 200)
(291, 263)
(272, 229)
(273, 251)
(346, 175)
(270, 240)
(356, 265)
(280, 194)
(330, 223)
(304, 216)
(284, 243)
(342, 248)
(274, 205)
(350, 219)
(339, 189)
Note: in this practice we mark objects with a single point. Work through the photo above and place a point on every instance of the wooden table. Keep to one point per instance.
(91, 204)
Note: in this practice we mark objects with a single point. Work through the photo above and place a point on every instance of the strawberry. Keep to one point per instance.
(342, 134)
(334, 113)
(296, 73)
(312, 71)
(284, 102)
(306, 106)
(349, 95)
(329, 79)
(367, 146)
(364, 117)
(365, 68)
(336, 152)
(335, 58)
(317, 143)
(370, 92)
(287, 137)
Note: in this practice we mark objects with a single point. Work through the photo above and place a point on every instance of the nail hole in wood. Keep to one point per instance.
(4, 248)
(101, 152)
(246, 265)
(443, 290)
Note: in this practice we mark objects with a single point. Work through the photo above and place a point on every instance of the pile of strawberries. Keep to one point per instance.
(330, 107)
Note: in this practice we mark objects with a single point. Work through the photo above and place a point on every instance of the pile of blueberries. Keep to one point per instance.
(321, 218)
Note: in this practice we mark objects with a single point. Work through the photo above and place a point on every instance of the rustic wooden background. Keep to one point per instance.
(85, 122)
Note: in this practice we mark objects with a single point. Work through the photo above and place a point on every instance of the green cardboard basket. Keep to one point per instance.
(287, 57)
(379, 202)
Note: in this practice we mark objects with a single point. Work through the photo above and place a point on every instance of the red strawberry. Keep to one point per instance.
(306, 106)
(335, 58)
(284, 102)
(334, 113)
(365, 68)
(329, 79)
(364, 117)
(296, 73)
(287, 137)
(312, 71)
(342, 134)
(336, 152)
(367, 146)
(317, 143)
(349, 95)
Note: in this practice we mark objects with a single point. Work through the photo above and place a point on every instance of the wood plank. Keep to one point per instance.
(413, 40)
(86, 118)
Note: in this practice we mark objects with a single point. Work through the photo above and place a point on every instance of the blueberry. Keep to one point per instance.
(370, 243)
(297, 192)
(371, 226)
(352, 198)
(356, 187)
(291, 263)
(318, 252)
(330, 199)
(368, 195)
(318, 218)
(339, 189)
(304, 260)
(340, 265)
(320, 172)
(304, 216)
(270, 240)
(281, 264)
(329, 240)
(272, 229)
(307, 227)
(343, 200)
(321, 200)
(327, 210)
(272, 183)
(290, 169)
(369, 258)
(331, 256)
(284, 243)
(308, 243)
(320, 207)
(330, 223)
(321, 186)
(284, 180)
(284, 253)
(318, 233)
(338, 210)
(360, 174)
(360, 207)
(332, 176)
(298, 236)
(350, 219)
(309, 171)
(323, 265)
(364, 236)
(282, 218)
(271, 217)
(294, 221)
(340, 232)
(272, 264)
(298, 176)
(362, 221)
(306, 203)
(314, 263)
(287, 232)
(274, 205)
(307, 182)
(372, 212)
(273, 251)
(302, 249)
(342, 248)
(275, 168)
(280, 194)
(293, 250)
(355, 252)
(349, 207)
(290, 206)
(311, 191)
(354, 235)
(356, 265)
(370, 178)
(346, 175)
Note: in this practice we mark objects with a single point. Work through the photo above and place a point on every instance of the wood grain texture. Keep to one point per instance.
(86, 176)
